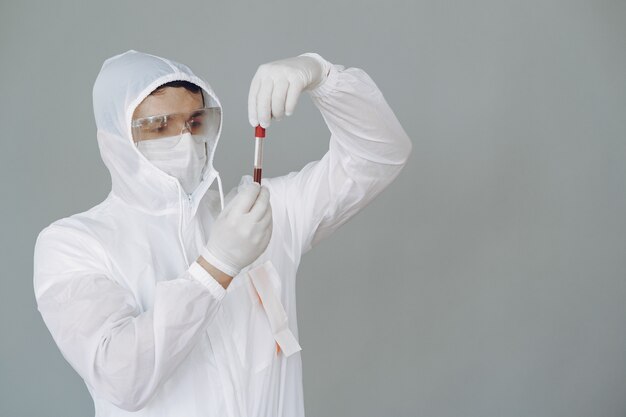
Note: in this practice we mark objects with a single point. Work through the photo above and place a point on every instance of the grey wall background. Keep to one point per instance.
(488, 280)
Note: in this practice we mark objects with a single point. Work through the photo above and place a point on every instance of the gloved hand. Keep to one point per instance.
(242, 230)
(276, 86)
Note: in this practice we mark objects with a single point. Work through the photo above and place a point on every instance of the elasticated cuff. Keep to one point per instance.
(200, 274)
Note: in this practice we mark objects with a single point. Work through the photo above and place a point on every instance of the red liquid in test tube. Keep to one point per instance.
(259, 135)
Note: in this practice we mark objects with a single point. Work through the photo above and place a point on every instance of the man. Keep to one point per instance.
(165, 300)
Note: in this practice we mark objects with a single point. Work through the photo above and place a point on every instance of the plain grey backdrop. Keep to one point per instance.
(487, 280)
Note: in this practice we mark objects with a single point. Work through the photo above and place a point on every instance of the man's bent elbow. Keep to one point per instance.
(404, 149)
(408, 148)
(125, 386)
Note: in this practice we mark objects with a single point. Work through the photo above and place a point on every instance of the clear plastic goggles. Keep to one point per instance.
(201, 123)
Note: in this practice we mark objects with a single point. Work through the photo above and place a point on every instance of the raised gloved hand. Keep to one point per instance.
(276, 86)
(242, 230)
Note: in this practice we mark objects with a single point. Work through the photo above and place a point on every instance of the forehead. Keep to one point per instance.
(169, 100)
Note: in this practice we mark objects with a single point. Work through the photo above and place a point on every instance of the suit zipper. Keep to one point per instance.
(180, 222)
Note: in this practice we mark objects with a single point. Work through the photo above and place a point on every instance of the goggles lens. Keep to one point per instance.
(202, 123)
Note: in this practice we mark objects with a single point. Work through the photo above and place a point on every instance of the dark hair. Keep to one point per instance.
(191, 87)
(176, 84)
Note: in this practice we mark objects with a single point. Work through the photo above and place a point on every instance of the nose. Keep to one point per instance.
(186, 128)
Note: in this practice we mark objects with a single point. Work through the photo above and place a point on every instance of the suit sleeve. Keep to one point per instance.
(124, 354)
(367, 150)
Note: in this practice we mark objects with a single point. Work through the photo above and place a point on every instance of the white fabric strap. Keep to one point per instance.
(261, 279)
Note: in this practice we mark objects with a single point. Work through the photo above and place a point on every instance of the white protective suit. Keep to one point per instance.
(149, 331)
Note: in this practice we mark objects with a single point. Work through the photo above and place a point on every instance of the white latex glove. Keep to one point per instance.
(276, 86)
(242, 230)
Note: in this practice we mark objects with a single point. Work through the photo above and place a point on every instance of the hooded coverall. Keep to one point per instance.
(149, 332)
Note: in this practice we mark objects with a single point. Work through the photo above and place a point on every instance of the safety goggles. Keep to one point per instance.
(202, 123)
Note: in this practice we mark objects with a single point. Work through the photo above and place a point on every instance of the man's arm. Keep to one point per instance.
(122, 352)
(368, 148)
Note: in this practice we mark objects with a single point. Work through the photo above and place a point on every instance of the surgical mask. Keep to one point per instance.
(183, 157)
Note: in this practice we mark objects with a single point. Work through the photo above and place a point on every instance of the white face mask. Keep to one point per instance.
(183, 157)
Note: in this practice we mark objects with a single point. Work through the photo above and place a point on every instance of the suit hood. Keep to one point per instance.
(124, 81)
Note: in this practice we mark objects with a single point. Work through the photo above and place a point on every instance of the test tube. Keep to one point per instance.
(259, 135)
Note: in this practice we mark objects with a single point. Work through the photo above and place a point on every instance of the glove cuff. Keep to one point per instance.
(325, 68)
(226, 268)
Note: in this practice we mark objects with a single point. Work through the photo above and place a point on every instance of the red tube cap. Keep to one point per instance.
(259, 132)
